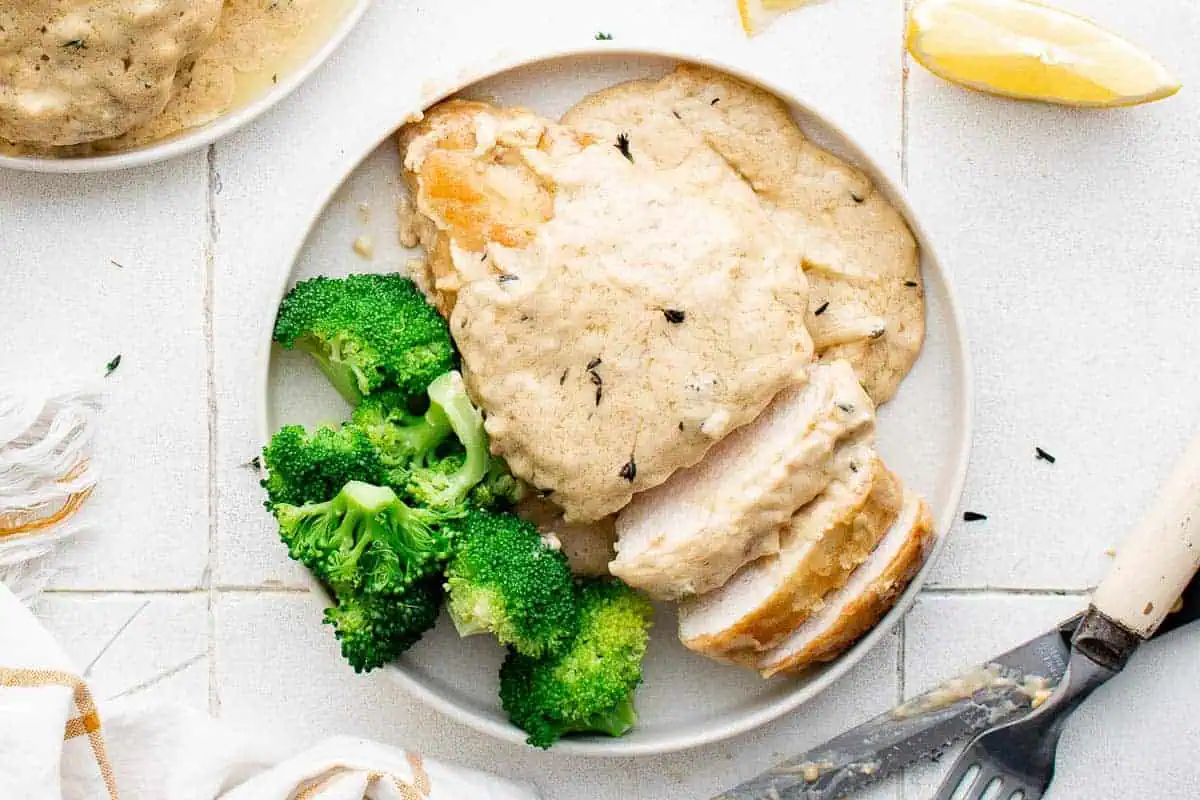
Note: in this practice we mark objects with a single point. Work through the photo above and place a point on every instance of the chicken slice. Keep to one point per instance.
(819, 549)
(690, 534)
(616, 319)
(873, 588)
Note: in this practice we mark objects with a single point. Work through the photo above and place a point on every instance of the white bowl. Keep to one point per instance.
(204, 135)
(687, 700)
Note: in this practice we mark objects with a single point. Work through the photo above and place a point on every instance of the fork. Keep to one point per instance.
(1015, 760)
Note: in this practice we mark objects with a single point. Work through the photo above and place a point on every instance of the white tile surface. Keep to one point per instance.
(153, 647)
(1072, 236)
(1072, 239)
(69, 310)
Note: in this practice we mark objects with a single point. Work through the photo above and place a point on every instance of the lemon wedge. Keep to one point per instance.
(758, 14)
(1029, 51)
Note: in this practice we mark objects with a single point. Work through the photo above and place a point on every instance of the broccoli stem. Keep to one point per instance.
(617, 721)
(448, 393)
(350, 384)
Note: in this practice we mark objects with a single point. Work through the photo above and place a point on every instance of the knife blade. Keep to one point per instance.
(1006, 687)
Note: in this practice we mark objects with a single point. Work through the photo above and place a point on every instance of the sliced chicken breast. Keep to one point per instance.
(690, 534)
(864, 600)
(819, 549)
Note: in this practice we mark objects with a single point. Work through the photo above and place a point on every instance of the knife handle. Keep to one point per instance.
(1159, 559)
(1189, 609)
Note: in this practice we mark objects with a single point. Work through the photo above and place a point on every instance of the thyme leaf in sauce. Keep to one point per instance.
(112, 365)
(623, 146)
(506, 277)
(676, 113)
(604, 37)
(75, 44)
(674, 315)
(714, 101)
(973, 516)
(599, 393)
(544, 493)
(1042, 455)
(910, 284)
(821, 309)
(629, 471)
(116, 264)
(856, 197)
(595, 362)
(681, 426)
(563, 378)
(596, 379)
(846, 408)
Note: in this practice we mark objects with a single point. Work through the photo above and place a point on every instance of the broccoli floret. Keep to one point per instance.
(588, 686)
(505, 579)
(374, 630)
(403, 439)
(445, 483)
(365, 539)
(499, 490)
(304, 467)
(367, 332)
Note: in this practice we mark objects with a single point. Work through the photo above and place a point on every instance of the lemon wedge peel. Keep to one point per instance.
(756, 15)
(1029, 51)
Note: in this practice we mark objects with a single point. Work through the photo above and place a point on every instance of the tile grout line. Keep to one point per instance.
(1003, 591)
(212, 187)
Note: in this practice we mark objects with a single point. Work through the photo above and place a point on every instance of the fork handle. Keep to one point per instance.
(1157, 561)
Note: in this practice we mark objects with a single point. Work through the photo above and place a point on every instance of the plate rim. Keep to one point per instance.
(189, 141)
(958, 342)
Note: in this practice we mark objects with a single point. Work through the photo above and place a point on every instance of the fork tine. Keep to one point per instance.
(961, 767)
(983, 782)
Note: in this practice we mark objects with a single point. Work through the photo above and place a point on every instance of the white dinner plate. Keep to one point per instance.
(336, 22)
(686, 700)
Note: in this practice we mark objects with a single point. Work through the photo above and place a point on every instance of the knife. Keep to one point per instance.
(1001, 690)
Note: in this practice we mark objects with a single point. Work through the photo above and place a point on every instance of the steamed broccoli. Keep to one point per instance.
(499, 489)
(588, 686)
(446, 483)
(505, 579)
(404, 439)
(374, 630)
(304, 467)
(365, 539)
(367, 332)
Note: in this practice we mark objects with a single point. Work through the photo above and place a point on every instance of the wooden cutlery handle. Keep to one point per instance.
(1158, 560)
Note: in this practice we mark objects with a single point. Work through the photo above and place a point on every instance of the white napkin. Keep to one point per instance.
(56, 745)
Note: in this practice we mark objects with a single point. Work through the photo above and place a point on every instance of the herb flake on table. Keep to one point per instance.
(604, 37)
(254, 464)
(112, 365)
(973, 516)
(623, 146)
(116, 264)
(1042, 455)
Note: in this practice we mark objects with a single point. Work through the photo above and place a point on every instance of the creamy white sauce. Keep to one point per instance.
(196, 73)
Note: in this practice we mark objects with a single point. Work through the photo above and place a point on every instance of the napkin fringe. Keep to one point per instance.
(47, 474)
